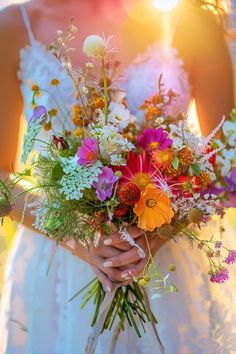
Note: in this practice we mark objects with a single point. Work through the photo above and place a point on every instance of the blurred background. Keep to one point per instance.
(8, 229)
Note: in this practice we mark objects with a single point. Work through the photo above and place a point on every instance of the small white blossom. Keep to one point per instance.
(119, 116)
(85, 90)
(118, 160)
(94, 46)
(229, 130)
(77, 178)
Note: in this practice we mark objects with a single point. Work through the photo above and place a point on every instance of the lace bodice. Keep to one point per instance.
(38, 66)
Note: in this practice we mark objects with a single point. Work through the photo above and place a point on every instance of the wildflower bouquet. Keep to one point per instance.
(106, 171)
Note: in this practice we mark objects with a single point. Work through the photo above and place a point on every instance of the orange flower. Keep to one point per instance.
(162, 158)
(153, 209)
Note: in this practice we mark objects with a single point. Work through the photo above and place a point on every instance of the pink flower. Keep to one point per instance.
(105, 183)
(88, 152)
(153, 139)
(231, 258)
(220, 276)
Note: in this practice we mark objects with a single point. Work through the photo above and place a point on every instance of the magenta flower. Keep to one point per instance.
(105, 183)
(220, 276)
(231, 258)
(152, 139)
(39, 112)
(88, 152)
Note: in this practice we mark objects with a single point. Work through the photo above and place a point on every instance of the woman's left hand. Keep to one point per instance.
(129, 261)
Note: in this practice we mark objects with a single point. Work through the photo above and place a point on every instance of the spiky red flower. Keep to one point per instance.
(121, 210)
(129, 193)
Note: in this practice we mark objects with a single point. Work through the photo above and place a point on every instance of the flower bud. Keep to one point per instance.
(94, 46)
(195, 216)
(118, 174)
(5, 207)
(171, 268)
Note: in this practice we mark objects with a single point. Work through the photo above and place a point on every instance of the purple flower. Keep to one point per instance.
(220, 276)
(218, 245)
(39, 112)
(213, 189)
(231, 188)
(105, 183)
(88, 152)
(231, 259)
(152, 139)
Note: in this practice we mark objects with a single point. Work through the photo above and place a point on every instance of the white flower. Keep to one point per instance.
(111, 142)
(229, 130)
(119, 115)
(77, 178)
(225, 165)
(85, 90)
(118, 160)
(94, 46)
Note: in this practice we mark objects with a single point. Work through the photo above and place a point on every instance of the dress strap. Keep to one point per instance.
(27, 23)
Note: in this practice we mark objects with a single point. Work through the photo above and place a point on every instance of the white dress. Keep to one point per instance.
(36, 317)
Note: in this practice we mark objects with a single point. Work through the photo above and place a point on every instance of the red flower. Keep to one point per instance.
(139, 170)
(129, 193)
(121, 210)
(188, 186)
(60, 142)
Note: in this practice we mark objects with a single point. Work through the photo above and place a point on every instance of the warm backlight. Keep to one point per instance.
(165, 5)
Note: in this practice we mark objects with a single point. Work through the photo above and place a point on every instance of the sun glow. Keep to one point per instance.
(165, 5)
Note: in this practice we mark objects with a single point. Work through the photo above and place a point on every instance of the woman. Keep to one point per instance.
(36, 315)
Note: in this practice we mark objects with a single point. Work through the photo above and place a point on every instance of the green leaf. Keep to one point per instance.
(57, 172)
(196, 169)
(175, 163)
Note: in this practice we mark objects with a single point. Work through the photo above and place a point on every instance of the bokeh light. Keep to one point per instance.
(165, 5)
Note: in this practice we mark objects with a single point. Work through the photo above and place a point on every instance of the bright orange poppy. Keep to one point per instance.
(153, 209)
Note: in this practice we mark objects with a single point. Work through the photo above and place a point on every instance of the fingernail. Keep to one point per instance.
(125, 276)
(107, 241)
(108, 289)
(107, 264)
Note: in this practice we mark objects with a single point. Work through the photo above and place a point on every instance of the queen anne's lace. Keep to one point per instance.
(77, 178)
(29, 139)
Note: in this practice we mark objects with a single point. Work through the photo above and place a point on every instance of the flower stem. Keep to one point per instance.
(105, 91)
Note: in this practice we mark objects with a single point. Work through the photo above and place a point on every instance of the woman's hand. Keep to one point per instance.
(129, 261)
(96, 256)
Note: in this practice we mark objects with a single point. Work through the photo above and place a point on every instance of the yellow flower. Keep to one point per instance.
(53, 112)
(153, 209)
(55, 82)
(35, 88)
(79, 132)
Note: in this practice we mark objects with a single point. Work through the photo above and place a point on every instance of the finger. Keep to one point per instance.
(124, 246)
(113, 274)
(134, 270)
(106, 282)
(116, 239)
(124, 258)
(103, 251)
